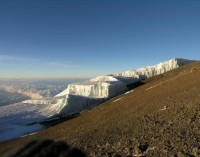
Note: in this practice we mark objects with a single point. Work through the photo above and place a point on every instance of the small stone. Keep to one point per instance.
(180, 154)
(127, 151)
(98, 146)
(137, 151)
(196, 152)
(107, 145)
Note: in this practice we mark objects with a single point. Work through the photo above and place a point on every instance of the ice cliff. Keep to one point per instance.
(84, 95)
(100, 87)
(133, 76)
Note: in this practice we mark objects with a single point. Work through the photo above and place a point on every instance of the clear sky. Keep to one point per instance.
(87, 38)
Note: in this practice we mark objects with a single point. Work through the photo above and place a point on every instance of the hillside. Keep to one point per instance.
(159, 118)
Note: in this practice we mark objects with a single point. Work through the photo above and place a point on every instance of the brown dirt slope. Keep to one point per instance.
(159, 118)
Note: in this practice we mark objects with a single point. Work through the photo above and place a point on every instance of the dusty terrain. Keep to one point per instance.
(159, 118)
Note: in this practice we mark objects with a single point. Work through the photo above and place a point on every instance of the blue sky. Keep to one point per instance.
(87, 38)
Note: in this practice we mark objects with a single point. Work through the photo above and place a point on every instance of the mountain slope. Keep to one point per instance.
(18, 119)
(159, 118)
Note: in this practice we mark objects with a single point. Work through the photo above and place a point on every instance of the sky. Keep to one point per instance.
(88, 38)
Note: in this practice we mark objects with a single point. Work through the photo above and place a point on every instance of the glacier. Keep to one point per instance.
(25, 117)
(133, 76)
(88, 94)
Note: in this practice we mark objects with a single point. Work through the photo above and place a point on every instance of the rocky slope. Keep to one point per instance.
(159, 118)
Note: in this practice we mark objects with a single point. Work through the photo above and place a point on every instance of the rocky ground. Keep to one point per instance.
(160, 118)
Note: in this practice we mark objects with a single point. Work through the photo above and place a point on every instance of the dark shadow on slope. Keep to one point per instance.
(57, 120)
(46, 148)
(135, 85)
(143, 147)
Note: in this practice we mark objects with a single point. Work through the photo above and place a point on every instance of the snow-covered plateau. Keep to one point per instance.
(25, 117)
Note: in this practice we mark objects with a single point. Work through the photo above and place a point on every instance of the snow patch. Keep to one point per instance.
(22, 118)
(154, 86)
(164, 108)
(129, 91)
(117, 99)
(10, 131)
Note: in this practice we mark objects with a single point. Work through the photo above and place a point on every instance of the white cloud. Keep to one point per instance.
(10, 60)
(59, 64)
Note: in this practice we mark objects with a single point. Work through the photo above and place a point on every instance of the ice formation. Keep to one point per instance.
(133, 76)
(100, 87)
(84, 95)
(22, 118)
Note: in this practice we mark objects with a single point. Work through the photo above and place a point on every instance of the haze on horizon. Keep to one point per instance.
(82, 39)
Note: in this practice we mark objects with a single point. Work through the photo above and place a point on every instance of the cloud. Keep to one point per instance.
(59, 64)
(11, 60)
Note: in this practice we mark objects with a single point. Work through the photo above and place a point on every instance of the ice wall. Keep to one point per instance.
(133, 76)
(77, 103)
(84, 95)
(99, 87)
(88, 94)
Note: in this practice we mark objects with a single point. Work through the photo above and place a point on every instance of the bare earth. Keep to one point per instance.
(160, 118)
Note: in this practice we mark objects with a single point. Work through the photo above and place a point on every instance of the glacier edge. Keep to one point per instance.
(85, 95)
